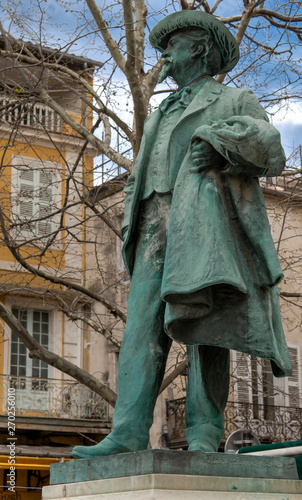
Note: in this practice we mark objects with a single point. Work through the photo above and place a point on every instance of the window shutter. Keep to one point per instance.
(292, 384)
(36, 200)
(243, 377)
(45, 202)
(26, 195)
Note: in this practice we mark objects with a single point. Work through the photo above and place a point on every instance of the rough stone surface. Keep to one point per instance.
(177, 487)
(173, 463)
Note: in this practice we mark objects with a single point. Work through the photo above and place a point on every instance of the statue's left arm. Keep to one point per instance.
(249, 144)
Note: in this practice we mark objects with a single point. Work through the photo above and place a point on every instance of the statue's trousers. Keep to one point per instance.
(145, 349)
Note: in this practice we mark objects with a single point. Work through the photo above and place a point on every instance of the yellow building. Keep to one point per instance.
(43, 180)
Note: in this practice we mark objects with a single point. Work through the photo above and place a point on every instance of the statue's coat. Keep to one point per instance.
(221, 267)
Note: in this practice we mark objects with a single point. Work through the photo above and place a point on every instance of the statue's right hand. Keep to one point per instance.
(205, 157)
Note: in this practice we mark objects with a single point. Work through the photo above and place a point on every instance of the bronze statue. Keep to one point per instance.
(197, 241)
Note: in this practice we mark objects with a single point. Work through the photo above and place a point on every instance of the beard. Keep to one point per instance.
(166, 70)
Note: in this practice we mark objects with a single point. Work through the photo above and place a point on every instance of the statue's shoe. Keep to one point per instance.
(106, 447)
(197, 445)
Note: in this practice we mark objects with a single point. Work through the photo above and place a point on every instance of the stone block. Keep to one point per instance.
(177, 487)
(173, 463)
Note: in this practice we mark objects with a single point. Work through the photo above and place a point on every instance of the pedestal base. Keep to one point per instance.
(175, 475)
(186, 463)
(176, 487)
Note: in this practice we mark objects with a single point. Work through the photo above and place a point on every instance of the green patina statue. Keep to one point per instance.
(197, 242)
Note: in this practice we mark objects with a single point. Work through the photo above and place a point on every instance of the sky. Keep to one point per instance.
(289, 125)
(63, 23)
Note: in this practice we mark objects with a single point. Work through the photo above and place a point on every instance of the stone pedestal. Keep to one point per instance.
(175, 475)
(176, 487)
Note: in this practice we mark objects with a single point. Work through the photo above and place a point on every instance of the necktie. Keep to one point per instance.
(179, 96)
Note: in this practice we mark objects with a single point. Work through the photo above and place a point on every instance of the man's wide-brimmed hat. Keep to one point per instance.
(186, 19)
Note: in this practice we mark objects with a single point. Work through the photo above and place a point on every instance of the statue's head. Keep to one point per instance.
(190, 37)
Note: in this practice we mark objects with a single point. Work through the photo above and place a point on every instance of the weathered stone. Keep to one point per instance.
(173, 463)
(173, 487)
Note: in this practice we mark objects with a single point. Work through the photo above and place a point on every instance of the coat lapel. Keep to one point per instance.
(189, 121)
(208, 93)
(178, 145)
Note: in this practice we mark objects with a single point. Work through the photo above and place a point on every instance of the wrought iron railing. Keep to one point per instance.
(30, 114)
(281, 183)
(51, 398)
(269, 423)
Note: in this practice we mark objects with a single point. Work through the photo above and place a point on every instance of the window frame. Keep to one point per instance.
(38, 382)
(37, 166)
(280, 387)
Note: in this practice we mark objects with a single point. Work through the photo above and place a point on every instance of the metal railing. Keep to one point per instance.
(281, 183)
(51, 398)
(29, 114)
(273, 423)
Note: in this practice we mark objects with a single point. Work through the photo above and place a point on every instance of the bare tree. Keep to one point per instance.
(99, 103)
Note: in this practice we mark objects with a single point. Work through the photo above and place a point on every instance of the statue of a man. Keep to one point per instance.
(197, 241)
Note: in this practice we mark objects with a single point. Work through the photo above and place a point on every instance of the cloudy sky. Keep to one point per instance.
(289, 124)
(64, 19)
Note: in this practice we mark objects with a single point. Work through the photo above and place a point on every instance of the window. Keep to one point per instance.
(292, 384)
(255, 384)
(243, 376)
(263, 389)
(35, 200)
(22, 366)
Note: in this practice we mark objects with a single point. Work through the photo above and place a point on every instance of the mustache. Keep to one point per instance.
(165, 69)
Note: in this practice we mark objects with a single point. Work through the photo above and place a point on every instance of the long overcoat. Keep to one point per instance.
(221, 266)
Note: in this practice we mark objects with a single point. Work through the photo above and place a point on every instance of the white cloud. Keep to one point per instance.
(292, 114)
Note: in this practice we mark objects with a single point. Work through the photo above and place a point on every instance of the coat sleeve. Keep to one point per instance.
(128, 190)
(130, 187)
(247, 140)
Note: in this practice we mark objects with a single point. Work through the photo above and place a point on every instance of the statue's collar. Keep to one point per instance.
(199, 81)
(184, 95)
(190, 92)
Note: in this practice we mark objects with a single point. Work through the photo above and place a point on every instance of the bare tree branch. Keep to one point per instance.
(173, 375)
(290, 294)
(100, 145)
(130, 38)
(109, 40)
(55, 279)
(39, 352)
(140, 12)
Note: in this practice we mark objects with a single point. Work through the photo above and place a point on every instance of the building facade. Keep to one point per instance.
(43, 180)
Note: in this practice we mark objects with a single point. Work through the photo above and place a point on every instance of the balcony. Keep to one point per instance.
(271, 424)
(282, 185)
(29, 114)
(51, 398)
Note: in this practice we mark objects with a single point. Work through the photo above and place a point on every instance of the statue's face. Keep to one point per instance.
(179, 57)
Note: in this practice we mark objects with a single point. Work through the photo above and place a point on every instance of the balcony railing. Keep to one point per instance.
(29, 114)
(269, 423)
(281, 183)
(51, 398)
